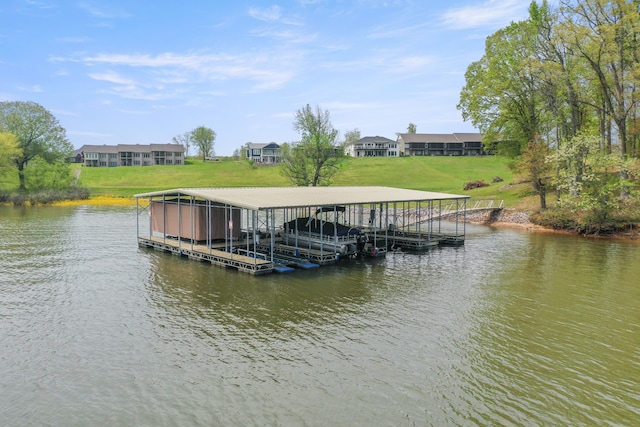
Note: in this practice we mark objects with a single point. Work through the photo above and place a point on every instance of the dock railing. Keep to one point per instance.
(405, 218)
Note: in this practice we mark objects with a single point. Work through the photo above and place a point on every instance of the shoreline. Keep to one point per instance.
(513, 218)
(504, 218)
(98, 201)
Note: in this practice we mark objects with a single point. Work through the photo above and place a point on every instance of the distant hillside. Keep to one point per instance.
(442, 174)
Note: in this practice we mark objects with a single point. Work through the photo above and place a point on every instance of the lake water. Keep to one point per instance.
(513, 328)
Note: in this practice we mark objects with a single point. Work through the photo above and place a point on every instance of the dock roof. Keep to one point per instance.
(262, 198)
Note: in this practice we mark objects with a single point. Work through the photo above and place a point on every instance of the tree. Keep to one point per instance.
(203, 137)
(351, 136)
(563, 94)
(502, 95)
(9, 152)
(185, 140)
(605, 34)
(590, 180)
(38, 133)
(316, 158)
(411, 128)
(535, 164)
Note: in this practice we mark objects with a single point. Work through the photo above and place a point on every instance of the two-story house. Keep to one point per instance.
(434, 144)
(270, 153)
(373, 146)
(131, 155)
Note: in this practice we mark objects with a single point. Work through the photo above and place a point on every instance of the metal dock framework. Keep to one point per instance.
(279, 229)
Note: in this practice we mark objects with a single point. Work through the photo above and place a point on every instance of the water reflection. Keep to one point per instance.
(266, 305)
(513, 328)
(555, 329)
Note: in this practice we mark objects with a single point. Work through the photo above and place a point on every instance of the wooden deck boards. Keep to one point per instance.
(204, 253)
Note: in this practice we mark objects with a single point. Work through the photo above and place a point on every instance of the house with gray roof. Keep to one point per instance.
(131, 155)
(270, 153)
(373, 146)
(436, 144)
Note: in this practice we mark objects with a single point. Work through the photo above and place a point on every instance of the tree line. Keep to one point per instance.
(34, 146)
(560, 91)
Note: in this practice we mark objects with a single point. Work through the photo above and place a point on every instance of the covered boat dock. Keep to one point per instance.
(278, 229)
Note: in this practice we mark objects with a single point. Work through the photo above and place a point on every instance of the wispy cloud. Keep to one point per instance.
(102, 13)
(112, 77)
(39, 4)
(491, 13)
(33, 89)
(395, 32)
(272, 14)
(266, 70)
(64, 113)
(384, 61)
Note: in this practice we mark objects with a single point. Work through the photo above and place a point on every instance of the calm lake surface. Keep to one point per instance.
(514, 328)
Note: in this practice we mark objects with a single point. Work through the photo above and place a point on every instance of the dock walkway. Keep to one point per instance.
(203, 253)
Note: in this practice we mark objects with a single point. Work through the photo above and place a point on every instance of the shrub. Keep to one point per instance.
(475, 184)
(584, 222)
(44, 197)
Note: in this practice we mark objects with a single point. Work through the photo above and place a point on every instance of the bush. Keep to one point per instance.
(584, 222)
(44, 197)
(475, 184)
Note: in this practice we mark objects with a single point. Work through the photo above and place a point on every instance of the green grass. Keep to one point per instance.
(441, 174)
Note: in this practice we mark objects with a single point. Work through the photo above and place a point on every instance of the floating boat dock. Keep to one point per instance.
(262, 230)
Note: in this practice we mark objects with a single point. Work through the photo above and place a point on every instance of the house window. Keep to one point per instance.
(146, 155)
(136, 155)
(136, 162)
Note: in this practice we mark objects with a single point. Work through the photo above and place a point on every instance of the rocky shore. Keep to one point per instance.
(518, 219)
(509, 217)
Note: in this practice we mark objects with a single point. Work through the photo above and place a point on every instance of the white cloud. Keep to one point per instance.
(272, 14)
(411, 64)
(34, 89)
(491, 13)
(39, 4)
(101, 13)
(112, 77)
(64, 113)
(267, 70)
(401, 31)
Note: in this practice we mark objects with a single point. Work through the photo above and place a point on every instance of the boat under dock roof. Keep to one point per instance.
(263, 198)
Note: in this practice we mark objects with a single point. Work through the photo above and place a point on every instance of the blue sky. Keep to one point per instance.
(122, 71)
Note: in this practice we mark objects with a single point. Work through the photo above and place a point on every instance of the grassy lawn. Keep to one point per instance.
(441, 174)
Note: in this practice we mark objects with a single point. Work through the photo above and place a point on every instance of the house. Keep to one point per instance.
(373, 146)
(270, 153)
(132, 155)
(434, 144)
